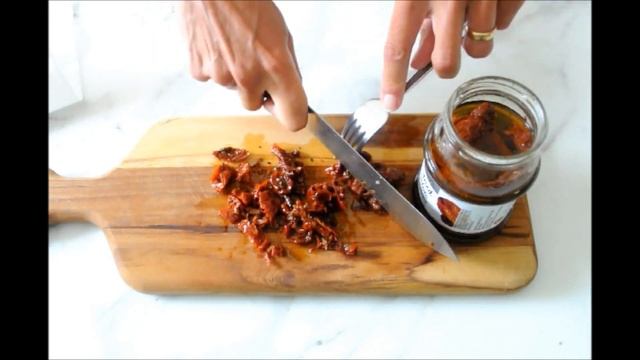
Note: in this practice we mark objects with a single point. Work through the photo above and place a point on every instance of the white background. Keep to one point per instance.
(133, 67)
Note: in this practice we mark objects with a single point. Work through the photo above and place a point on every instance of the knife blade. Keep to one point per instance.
(396, 205)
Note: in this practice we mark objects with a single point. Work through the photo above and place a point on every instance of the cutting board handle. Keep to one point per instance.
(70, 199)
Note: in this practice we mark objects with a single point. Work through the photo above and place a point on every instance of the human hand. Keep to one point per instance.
(440, 24)
(246, 45)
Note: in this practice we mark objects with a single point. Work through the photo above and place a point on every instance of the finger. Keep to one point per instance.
(423, 55)
(506, 11)
(252, 98)
(288, 101)
(219, 73)
(214, 65)
(288, 106)
(293, 53)
(403, 29)
(447, 27)
(190, 35)
(195, 65)
(481, 18)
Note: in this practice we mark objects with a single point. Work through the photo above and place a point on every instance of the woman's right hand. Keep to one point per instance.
(246, 45)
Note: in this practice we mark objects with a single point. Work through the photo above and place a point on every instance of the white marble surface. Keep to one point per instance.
(134, 73)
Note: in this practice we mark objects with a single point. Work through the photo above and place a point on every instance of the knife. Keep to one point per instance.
(396, 205)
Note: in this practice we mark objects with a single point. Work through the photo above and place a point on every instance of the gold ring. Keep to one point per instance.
(481, 36)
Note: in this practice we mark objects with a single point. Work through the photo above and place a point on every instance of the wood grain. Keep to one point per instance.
(160, 217)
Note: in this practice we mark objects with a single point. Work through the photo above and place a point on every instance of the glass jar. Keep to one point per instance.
(467, 192)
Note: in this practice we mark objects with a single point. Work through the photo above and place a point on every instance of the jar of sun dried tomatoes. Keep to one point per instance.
(480, 154)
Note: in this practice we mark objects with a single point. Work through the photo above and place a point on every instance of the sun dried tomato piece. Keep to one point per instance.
(478, 122)
(350, 249)
(269, 204)
(244, 173)
(235, 211)
(520, 136)
(221, 177)
(231, 154)
(245, 197)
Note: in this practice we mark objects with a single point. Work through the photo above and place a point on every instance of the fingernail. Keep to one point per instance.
(390, 102)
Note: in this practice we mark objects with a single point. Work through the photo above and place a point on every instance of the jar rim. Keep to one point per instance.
(527, 99)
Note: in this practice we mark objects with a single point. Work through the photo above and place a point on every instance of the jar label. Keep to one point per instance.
(456, 214)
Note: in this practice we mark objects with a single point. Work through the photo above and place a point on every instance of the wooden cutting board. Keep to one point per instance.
(160, 217)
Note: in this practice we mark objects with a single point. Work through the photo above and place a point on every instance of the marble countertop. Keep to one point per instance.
(133, 67)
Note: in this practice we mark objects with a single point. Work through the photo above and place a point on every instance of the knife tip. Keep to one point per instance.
(448, 252)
